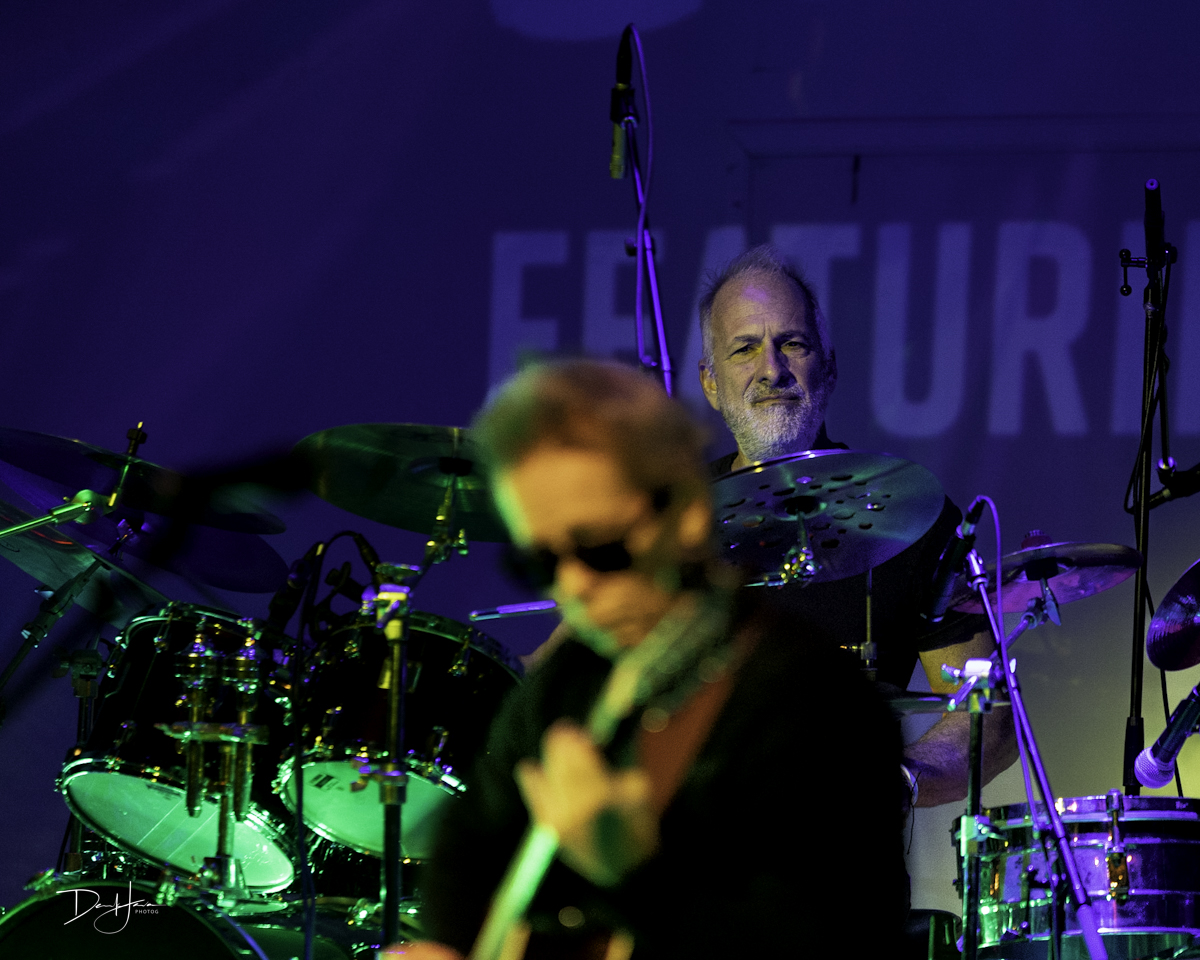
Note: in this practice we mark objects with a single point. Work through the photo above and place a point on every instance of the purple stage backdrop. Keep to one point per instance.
(243, 222)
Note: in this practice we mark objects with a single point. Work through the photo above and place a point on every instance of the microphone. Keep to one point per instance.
(368, 554)
(953, 558)
(621, 106)
(1156, 254)
(1155, 766)
(287, 598)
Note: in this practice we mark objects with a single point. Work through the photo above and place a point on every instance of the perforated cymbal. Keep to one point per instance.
(859, 510)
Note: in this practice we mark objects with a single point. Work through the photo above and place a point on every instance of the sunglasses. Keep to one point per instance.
(537, 568)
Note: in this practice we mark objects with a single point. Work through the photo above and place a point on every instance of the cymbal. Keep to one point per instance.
(397, 473)
(52, 558)
(859, 510)
(242, 562)
(1073, 571)
(1173, 641)
(75, 466)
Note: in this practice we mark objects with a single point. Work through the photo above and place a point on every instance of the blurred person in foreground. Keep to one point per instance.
(705, 827)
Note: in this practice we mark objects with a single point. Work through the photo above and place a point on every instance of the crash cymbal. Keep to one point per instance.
(1073, 571)
(73, 466)
(52, 558)
(858, 510)
(1173, 641)
(397, 473)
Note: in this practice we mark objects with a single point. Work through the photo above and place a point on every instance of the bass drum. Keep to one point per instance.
(103, 920)
(457, 677)
(128, 783)
(1139, 858)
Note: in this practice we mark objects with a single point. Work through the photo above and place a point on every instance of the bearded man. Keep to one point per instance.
(769, 369)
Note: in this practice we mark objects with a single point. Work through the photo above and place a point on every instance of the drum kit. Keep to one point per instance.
(223, 766)
(267, 784)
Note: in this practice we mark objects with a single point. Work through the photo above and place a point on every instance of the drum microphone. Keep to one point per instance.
(1155, 766)
(287, 599)
(953, 558)
(621, 106)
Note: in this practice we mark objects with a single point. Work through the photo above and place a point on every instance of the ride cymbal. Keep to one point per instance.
(1072, 570)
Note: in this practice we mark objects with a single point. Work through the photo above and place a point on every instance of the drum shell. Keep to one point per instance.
(1159, 851)
(56, 925)
(129, 767)
(457, 678)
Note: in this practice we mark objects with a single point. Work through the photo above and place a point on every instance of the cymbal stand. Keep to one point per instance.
(982, 678)
(84, 507)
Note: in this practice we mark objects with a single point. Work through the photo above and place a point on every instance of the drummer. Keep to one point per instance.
(769, 369)
(694, 807)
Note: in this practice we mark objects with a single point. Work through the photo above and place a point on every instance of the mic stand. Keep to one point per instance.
(391, 598)
(982, 676)
(1157, 263)
(624, 112)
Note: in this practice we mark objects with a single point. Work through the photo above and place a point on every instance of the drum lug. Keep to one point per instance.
(974, 832)
(1118, 874)
(1116, 862)
(167, 891)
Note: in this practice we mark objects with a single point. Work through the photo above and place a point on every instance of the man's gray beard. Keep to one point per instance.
(777, 429)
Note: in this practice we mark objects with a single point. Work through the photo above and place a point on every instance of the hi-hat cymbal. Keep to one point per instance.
(1073, 571)
(858, 510)
(398, 473)
(74, 466)
(241, 562)
(52, 558)
(1173, 641)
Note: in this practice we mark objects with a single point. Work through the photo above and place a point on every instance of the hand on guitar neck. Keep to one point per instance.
(604, 818)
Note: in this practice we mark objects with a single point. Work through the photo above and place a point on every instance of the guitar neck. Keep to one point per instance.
(631, 682)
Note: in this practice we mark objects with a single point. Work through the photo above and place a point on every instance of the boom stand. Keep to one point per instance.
(980, 677)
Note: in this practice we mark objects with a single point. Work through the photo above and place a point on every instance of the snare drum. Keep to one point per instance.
(457, 677)
(1139, 858)
(128, 781)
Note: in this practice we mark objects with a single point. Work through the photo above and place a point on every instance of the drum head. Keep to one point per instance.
(336, 810)
(457, 678)
(149, 818)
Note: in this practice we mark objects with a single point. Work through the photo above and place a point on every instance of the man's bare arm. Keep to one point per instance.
(939, 758)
